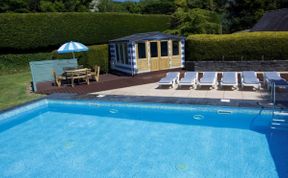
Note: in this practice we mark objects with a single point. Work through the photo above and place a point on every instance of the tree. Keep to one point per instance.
(243, 14)
(195, 21)
(44, 5)
(93, 6)
(47, 6)
(132, 7)
(105, 6)
(13, 6)
(157, 6)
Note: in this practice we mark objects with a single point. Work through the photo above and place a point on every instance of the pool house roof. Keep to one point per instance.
(275, 20)
(147, 36)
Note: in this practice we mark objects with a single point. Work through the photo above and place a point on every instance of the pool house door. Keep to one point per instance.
(164, 60)
(154, 56)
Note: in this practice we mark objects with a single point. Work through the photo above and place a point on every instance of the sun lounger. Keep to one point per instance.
(189, 79)
(229, 79)
(171, 79)
(208, 79)
(249, 79)
(270, 77)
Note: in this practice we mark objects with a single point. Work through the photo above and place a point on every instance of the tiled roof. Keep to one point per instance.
(276, 20)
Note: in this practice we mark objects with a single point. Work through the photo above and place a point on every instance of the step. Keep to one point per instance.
(279, 124)
(279, 120)
(281, 113)
(279, 128)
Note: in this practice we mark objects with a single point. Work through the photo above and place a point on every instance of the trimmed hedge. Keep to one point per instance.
(238, 46)
(46, 30)
(15, 63)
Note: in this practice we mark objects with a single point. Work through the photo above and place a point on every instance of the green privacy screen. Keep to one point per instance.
(42, 70)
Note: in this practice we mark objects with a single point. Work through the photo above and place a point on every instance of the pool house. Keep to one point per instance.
(146, 52)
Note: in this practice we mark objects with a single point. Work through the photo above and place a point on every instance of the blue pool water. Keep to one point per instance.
(121, 140)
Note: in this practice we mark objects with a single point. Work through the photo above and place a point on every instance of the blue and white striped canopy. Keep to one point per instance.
(72, 47)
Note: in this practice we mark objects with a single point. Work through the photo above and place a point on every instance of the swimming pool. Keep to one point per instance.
(66, 138)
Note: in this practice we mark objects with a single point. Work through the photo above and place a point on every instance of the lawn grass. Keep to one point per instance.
(13, 89)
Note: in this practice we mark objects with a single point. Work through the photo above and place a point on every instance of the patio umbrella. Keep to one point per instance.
(72, 47)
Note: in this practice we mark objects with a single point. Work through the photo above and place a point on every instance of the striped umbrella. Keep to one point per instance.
(72, 47)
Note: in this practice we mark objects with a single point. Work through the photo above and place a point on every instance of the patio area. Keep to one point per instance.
(145, 85)
(152, 89)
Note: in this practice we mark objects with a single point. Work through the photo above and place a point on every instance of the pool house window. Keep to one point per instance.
(141, 50)
(175, 48)
(153, 49)
(164, 48)
(122, 53)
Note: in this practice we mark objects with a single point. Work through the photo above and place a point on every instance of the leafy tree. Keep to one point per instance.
(243, 14)
(158, 6)
(44, 5)
(47, 6)
(105, 6)
(195, 21)
(203, 4)
(13, 6)
(34, 5)
(132, 7)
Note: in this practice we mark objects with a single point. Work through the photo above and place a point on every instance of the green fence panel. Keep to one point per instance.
(42, 70)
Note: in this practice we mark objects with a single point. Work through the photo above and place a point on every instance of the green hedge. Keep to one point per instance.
(16, 63)
(238, 46)
(46, 30)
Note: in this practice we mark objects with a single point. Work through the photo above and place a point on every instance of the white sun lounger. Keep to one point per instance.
(249, 79)
(229, 79)
(208, 79)
(171, 79)
(270, 77)
(189, 79)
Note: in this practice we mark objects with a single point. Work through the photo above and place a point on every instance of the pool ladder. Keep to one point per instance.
(279, 120)
(279, 117)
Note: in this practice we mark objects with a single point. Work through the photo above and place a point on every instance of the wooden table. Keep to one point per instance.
(77, 74)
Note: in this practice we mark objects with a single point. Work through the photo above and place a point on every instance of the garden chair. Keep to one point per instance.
(58, 78)
(95, 74)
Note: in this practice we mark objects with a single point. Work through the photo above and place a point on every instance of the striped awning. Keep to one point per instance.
(72, 47)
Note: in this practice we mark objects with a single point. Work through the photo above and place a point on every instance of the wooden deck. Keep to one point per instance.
(107, 82)
(115, 81)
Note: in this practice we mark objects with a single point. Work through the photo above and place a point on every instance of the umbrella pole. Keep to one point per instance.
(73, 55)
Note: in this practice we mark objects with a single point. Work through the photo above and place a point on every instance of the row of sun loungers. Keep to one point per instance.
(229, 79)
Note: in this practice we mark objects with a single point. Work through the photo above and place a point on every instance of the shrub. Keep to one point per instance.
(239, 46)
(46, 30)
(98, 55)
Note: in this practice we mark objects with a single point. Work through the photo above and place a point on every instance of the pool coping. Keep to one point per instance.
(166, 100)
(153, 99)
